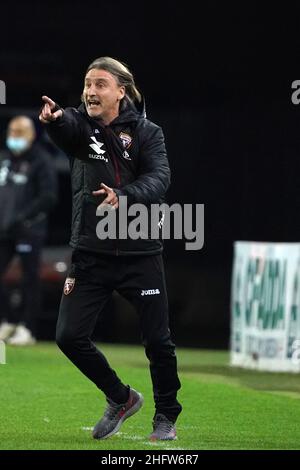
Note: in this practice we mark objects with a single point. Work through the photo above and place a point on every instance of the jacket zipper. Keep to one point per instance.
(117, 175)
(118, 182)
(115, 162)
(117, 171)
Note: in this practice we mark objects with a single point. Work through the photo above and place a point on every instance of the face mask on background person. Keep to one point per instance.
(17, 144)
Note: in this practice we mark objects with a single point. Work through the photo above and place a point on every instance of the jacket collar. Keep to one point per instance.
(129, 112)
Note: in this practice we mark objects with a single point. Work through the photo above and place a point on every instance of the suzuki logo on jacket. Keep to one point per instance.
(96, 146)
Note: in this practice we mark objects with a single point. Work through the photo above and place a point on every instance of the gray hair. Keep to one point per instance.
(122, 74)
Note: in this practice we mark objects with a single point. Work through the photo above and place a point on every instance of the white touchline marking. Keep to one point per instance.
(123, 435)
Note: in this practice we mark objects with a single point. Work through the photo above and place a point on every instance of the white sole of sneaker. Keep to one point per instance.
(126, 415)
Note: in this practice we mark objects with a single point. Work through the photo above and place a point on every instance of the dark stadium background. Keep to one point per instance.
(217, 77)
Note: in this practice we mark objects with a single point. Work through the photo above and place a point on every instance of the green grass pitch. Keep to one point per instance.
(46, 403)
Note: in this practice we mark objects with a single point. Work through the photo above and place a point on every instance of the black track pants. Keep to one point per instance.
(141, 280)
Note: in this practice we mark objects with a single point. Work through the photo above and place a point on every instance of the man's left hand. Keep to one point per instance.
(111, 198)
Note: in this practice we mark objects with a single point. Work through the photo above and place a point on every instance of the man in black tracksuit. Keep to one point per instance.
(28, 188)
(110, 142)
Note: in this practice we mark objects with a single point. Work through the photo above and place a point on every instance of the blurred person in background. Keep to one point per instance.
(111, 144)
(28, 190)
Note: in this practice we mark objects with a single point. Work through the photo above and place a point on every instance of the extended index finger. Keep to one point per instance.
(49, 101)
(107, 188)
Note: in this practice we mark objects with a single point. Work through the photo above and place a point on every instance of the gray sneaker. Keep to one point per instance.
(163, 429)
(115, 414)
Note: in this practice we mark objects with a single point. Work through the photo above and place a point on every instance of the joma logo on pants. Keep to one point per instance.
(150, 292)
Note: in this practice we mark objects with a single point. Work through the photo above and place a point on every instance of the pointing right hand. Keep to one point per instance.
(47, 115)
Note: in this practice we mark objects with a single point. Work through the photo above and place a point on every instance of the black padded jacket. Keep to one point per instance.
(128, 155)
